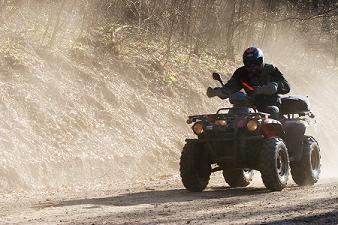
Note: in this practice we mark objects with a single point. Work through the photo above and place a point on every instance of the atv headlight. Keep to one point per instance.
(198, 128)
(221, 122)
(252, 125)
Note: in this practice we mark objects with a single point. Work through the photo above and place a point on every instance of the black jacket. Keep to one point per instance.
(268, 85)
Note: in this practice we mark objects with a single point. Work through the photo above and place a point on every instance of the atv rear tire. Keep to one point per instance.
(195, 168)
(274, 160)
(307, 170)
(238, 177)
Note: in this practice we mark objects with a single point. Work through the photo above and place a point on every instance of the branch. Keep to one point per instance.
(319, 15)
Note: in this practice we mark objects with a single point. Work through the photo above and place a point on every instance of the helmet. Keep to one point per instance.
(252, 55)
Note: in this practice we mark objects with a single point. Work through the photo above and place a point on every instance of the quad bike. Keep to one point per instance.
(241, 139)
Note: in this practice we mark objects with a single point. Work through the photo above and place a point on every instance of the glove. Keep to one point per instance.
(268, 89)
(212, 92)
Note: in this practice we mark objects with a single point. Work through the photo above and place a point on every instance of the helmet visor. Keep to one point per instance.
(252, 62)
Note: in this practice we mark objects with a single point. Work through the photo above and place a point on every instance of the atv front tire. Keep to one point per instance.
(195, 168)
(274, 164)
(238, 177)
(306, 171)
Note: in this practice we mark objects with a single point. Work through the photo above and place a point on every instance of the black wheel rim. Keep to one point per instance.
(315, 160)
(282, 163)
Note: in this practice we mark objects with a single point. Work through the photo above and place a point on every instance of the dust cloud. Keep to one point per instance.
(312, 73)
(76, 124)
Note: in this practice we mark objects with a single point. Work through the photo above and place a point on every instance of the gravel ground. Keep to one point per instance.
(165, 201)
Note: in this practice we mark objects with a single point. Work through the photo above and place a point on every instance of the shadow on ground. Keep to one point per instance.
(323, 218)
(160, 197)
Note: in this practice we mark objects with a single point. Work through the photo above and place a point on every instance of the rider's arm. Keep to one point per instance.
(278, 84)
(268, 89)
(232, 86)
(218, 91)
(283, 86)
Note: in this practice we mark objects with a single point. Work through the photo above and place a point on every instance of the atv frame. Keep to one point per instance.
(244, 142)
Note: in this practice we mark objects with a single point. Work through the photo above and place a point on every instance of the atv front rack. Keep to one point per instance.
(222, 116)
(256, 113)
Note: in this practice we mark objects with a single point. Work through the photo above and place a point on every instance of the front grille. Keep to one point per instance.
(231, 122)
(220, 132)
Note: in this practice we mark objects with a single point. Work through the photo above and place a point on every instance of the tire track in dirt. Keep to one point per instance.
(166, 202)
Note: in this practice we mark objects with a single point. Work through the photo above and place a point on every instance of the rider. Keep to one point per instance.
(263, 82)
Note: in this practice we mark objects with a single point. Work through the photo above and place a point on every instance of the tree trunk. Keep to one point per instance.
(57, 25)
(336, 54)
(251, 24)
(170, 34)
(269, 26)
(230, 33)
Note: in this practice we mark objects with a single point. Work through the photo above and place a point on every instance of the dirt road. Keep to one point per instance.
(164, 201)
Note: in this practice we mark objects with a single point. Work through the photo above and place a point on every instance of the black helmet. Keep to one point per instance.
(253, 55)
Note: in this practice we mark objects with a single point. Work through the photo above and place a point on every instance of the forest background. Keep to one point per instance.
(94, 92)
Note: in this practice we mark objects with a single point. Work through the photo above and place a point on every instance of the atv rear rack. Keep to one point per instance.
(295, 115)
